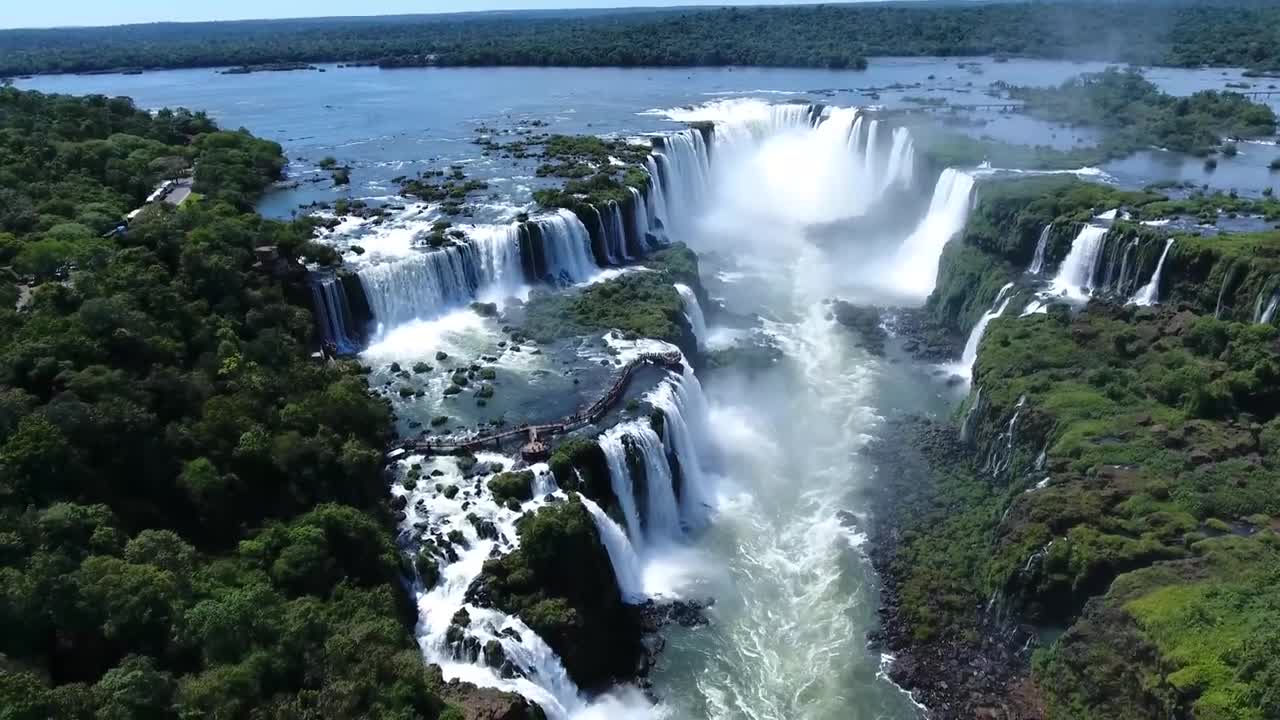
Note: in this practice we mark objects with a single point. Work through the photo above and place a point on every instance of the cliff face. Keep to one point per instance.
(1114, 473)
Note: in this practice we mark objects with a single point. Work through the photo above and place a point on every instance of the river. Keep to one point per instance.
(776, 448)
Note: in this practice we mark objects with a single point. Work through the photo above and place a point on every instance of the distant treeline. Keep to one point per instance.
(1179, 33)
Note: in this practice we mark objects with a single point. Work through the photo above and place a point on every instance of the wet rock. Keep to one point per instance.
(865, 321)
(494, 655)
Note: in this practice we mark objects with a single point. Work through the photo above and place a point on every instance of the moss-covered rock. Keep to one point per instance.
(579, 463)
(512, 486)
(561, 583)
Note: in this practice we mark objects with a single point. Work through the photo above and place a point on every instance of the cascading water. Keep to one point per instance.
(1075, 277)
(693, 311)
(420, 286)
(902, 161)
(1149, 294)
(684, 410)
(333, 315)
(917, 263)
(1270, 313)
(566, 245)
(486, 264)
(615, 453)
(1037, 260)
(525, 664)
(622, 554)
(617, 234)
(970, 355)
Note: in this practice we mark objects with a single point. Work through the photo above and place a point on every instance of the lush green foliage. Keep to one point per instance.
(640, 304)
(561, 583)
(1222, 32)
(190, 518)
(1136, 114)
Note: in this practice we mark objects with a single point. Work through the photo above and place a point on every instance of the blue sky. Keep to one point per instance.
(23, 13)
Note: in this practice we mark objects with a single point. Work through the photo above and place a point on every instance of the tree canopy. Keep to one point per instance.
(1167, 32)
(191, 519)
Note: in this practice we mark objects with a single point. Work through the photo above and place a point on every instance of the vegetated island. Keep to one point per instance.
(1177, 33)
(1130, 112)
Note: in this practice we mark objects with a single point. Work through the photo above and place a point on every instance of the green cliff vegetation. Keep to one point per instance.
(1178, 32)
(191, 509)
(1122, 470)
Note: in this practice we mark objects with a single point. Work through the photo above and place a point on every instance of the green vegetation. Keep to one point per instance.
(512, 486)
(1213, 619)
(191, 510)
(1135, 114)
(561, 583)
(1228, 33)
(639, 304)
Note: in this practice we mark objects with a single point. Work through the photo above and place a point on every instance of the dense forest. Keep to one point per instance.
(191, 516)
(1165, 32)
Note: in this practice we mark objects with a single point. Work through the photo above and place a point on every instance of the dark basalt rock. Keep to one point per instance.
(865, 322)
(478, 703)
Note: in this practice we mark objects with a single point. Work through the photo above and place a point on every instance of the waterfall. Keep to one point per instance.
(1037, 260)
(970, 355)
(684, 410)
(615, 453)
(660, 522)
(693, 311)
(902, 161)
(1269, 314)
(622, 555)
(686, 155)
(617, 232)
(484, 264)
(1001, 453)
(1075, 277)
(646, 238)
(968, 426)
(1149, 294)
(420, 286)
(333, 314)
(1123, 281)
(566, 245)
(869, 155)
(525, 664)
(917, 260)
(1222, 291)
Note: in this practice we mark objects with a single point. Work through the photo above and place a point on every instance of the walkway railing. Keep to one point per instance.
(590, 414)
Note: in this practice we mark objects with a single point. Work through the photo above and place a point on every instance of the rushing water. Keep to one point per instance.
(770, 481)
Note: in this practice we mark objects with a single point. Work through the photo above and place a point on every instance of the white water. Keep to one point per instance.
(540, 675)
(970, 355)
(622, 554)
(1075, 277)
(1037, 260)
(1269, 314)
(1149, 294)
(567, 248)
(917, 263)
(693, 311)
(788, 634)
(615, 453)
